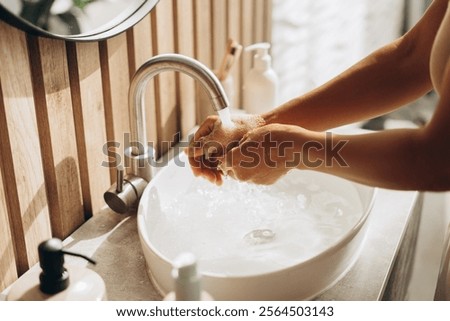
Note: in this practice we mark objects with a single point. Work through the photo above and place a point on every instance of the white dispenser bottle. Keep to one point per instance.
(56, 283)
(187, 281)
(261, 83)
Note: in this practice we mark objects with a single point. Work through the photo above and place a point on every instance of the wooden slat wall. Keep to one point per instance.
(165, 91)
(63, 109)
(184, 44)
(8, 270)
(23, 175)
(56, 127)
(89, 117)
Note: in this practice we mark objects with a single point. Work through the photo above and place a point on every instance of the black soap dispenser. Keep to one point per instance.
(56, 282)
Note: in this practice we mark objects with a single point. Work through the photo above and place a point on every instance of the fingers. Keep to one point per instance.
(194, 149)
(212, 149)
(202, 153)
(195, 164)
(206, 127)
(197, 144)
(202, 167)
(213, 176)
(225, 163)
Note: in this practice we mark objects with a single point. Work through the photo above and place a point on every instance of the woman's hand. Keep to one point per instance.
(213, 140)
(264, 154)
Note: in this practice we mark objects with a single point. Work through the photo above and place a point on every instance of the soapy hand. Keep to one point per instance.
(213, 140)
(264, 154)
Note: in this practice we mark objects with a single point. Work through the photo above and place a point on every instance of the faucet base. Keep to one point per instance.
(132, 190)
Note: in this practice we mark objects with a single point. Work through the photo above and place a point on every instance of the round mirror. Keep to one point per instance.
(77, 20)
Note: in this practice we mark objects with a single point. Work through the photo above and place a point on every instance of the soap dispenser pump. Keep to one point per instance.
(56, 282)
(261, 82)
(187, 280)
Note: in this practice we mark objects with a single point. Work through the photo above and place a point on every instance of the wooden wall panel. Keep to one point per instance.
(259, 19)
(249, 17)
(8, 270)
(89, 117)
(165, 83)
(20, 149)
(203, 32)
(115, 80)
(142, 51)
(61, 102)
(57, 135)
(219, 29)
(184, 28)
(266, 23)
(234, 24)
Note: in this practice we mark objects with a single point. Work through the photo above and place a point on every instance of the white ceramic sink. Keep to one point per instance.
(288, 241)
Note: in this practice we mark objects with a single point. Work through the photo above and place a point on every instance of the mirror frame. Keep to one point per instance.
(122, 26)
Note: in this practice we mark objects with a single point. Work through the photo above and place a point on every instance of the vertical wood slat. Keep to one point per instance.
(57, 135)
(203, 46)
(8, 269)
(89, 118)
(262, 24)
(259, 20)
(143, 50)
(219, 28)
(20, 152)
(165, 83)
(234, 31)
(184, 28)
(116, 81)
(249, 19)
(203, 35)
(266, 24)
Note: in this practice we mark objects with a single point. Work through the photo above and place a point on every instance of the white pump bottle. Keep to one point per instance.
(261, 83)
(187, 280)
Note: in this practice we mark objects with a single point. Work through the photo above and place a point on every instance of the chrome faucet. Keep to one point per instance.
(129, 188)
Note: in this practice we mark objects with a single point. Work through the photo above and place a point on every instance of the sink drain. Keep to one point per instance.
(260, 236)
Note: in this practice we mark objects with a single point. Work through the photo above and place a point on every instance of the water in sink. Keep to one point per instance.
(241, 229)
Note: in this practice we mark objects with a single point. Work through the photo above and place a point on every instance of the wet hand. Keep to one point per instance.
(212, 140)
(264, 154)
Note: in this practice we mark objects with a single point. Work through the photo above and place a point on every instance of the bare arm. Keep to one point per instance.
(388, 78)
(404, 159)
(408, 159)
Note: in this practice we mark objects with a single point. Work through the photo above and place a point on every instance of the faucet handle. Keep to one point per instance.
(120, 178)
(125, 192)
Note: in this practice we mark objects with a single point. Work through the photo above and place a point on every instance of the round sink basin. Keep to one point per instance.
(288, 241)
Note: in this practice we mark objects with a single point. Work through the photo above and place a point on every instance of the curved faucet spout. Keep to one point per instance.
(151, 68)
(129, 188)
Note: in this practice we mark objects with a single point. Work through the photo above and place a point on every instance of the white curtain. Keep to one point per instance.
(414, 10)
(314, 40)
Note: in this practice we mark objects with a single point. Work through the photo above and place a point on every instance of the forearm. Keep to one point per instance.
(376, 85)
(411, 159)
(396, 159)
